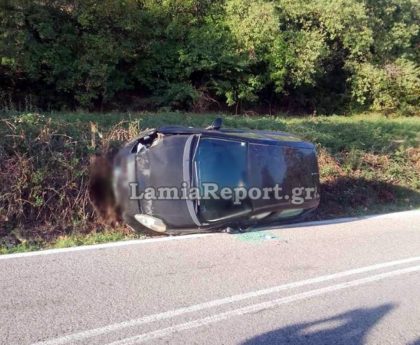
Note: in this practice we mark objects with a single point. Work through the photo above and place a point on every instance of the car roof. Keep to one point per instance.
(256, 136)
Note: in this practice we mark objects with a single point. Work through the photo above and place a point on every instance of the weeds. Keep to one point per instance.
(44, 179)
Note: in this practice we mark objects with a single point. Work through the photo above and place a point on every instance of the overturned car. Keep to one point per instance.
(180, 180)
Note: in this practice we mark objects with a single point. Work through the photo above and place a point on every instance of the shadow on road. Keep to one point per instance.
(351, 327)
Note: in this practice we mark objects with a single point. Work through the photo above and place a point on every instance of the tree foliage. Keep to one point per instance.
(297, 55)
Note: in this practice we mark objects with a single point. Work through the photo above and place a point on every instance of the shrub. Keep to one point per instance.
(295, 55)
(45, 176)
(391, 88)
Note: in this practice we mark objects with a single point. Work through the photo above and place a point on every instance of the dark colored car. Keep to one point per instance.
(179, 179)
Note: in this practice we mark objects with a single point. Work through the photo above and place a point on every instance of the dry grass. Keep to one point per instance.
(46, 178)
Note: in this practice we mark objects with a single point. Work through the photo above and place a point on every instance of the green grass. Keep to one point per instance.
(347, 138)
(94, 238)
(19, 248)
(368, 131)
(369, 164)
(72, 240)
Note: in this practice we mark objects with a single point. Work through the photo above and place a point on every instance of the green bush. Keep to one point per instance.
(316, 55)
(391, 88)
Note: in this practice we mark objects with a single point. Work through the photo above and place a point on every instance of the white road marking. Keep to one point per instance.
(353, 219)
(192, 236)
(100, 246)
(258, 307)
(219, 302)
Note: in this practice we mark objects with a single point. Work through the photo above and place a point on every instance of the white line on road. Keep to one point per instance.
(258, 307)
(99, 246)
(393, 215)
(185, 237)
(218, 302)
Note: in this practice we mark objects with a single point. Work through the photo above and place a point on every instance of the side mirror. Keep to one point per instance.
(216, 125)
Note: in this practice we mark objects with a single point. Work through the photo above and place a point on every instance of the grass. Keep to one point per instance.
(72, 240)
(369, 163)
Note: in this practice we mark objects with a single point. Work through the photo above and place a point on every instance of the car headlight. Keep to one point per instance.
(150, 222)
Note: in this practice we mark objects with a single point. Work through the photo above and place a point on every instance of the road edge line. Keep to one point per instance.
(192, 236)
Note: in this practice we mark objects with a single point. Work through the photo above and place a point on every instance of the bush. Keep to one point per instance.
(45, 176)
(230, 54)
(391, 88)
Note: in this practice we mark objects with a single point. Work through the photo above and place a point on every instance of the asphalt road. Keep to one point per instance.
(353, 282)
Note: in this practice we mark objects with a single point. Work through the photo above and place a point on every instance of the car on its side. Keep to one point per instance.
(162, 179)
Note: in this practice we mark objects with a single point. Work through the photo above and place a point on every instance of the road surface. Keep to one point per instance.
(349, 282)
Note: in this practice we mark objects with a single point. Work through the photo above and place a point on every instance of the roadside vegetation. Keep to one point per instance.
(301, 56)
(369, 163)
(72, 240)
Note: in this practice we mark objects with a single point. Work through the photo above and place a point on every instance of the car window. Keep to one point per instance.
(223, 163)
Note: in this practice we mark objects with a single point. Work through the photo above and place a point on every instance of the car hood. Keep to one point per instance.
(161, 166)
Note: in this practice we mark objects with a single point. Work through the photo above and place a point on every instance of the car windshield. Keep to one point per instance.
(221, 163)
